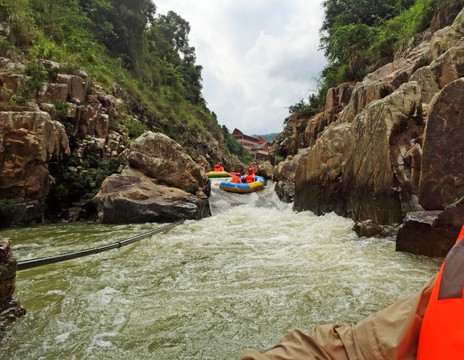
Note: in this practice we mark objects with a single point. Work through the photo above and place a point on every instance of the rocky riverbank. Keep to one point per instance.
(10, 307)
(388, 149)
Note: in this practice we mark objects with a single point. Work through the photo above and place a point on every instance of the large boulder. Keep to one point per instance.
(427, 233)
(448, 37)
(161, 158)
(376, 181)
(284, 177)
(29, 140)
(10, 307)
(441, 72)
(441, 180)
(337, 98)
(266, 170)
(291, 139)
(133, 197)
(318, 179)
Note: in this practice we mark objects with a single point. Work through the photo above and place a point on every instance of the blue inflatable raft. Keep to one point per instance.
(227, 185)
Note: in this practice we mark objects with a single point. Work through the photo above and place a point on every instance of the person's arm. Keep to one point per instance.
(392, 333)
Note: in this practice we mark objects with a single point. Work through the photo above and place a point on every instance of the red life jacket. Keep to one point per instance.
(249, 178)
(442, 331)
(236, 179)
(217, 168)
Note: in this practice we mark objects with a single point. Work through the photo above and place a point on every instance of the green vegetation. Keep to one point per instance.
(5, 210)
(278, 159)
(79, 187)
(235, 147)
(359, 36)
(36, 76)
(115, 41)
(310, 108)
(123, 42)
(135, 127)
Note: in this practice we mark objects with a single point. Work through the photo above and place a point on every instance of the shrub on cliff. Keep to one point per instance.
(79, 181)
(361, 35)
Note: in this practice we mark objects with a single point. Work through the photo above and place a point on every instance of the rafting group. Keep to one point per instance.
(236, 182)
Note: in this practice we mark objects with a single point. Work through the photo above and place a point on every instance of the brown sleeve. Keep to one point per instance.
(391, 333)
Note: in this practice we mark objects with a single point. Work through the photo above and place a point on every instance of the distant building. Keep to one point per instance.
(256, 146)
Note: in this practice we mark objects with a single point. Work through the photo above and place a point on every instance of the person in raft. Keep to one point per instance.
(232, 172)
(237, 179)
(218, 167)
(250, 176)
(426, 326)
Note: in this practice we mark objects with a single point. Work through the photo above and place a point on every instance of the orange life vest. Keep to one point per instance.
(236, 179)
(249, 178)
(442, 331)
(217, 168)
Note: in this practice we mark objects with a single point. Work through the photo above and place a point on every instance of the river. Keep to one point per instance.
(205, 289)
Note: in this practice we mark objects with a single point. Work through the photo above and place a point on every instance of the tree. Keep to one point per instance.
(349, 27)
(120, 25)
(168, 40)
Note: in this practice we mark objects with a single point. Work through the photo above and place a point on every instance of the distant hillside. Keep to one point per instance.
(268, 137)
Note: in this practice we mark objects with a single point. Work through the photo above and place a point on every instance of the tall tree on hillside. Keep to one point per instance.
(348, 30)
(120, 25)
(168, 39)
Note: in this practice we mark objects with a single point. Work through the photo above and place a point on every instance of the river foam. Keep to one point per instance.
(205, 289)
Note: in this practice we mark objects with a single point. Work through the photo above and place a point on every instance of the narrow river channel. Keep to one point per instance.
(204, 290)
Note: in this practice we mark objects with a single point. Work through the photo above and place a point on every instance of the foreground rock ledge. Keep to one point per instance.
(10, 307)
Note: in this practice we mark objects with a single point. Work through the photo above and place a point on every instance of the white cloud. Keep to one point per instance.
(258, 56)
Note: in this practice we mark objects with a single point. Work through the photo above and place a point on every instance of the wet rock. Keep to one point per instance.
(318, 179)
(133, 197)
(441, 180)
(265, 170)
(28, 140)
(423, 234)
(285, 190)
(284, 175)
(161, 158)
(375, 180)
(368, 228)
(10, 307)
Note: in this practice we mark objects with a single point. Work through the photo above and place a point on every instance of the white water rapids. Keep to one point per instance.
(204, 290)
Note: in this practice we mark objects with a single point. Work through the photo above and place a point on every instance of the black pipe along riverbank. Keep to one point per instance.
(32, 263)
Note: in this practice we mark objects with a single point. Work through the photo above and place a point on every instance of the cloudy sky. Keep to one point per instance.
(258, 56)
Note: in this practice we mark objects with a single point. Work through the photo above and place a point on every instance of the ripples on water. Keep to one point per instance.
(206, 289)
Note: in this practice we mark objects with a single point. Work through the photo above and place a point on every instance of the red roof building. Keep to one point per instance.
(256, 146)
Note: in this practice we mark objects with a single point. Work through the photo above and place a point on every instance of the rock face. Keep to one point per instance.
(65, 127)
(154, 186)
(284, 176)
(29, 140)
(382, 135)
(391, 150)
(133, 197)
(161, 158)
(442, 181)
(10, 308)
(318, 180)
